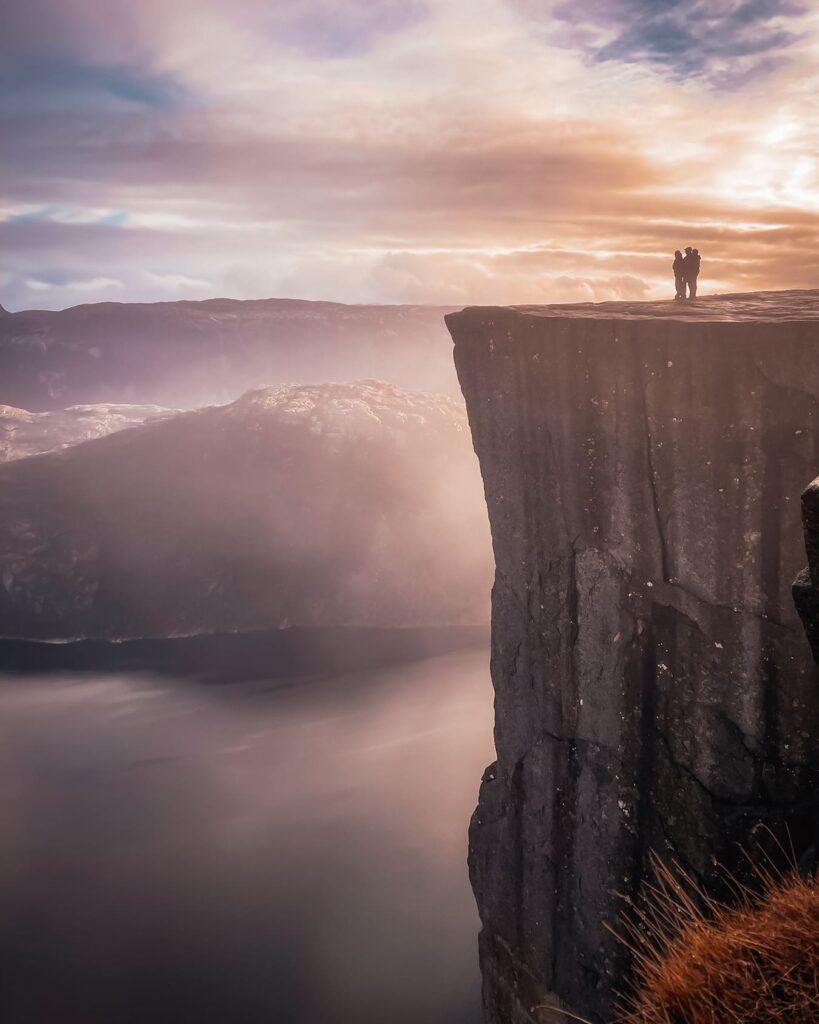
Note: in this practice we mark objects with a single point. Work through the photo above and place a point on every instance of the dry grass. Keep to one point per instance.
(698, 961)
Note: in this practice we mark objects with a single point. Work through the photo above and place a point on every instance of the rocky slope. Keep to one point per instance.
(316, 505)
(24, 433)
(189, 354)
(654, 690)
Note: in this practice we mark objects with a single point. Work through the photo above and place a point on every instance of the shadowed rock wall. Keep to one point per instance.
(806, 585)
(653, 688)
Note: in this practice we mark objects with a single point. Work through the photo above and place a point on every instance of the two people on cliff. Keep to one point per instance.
(686, 271)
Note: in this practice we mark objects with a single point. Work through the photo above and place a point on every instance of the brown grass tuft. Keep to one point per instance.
(698, 961)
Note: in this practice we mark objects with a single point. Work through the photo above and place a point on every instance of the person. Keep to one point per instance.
(679, 278)
(695, 273)
(691, 269)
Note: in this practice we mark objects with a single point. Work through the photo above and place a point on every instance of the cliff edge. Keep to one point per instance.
(642, 465)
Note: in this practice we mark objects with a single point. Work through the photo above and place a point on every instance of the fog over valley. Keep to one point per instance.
(188, 354)
(279, 504)
(254, 852)
(320, 505)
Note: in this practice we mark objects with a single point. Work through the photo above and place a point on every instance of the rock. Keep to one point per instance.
(24, 433)
(653, 690)
(315, 505)
(806, 584)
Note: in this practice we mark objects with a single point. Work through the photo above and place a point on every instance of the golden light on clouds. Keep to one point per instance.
(491, 151)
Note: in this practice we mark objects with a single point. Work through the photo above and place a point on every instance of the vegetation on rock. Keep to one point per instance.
(698, 961)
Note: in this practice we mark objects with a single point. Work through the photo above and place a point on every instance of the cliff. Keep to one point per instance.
(642, 465)
(806, 585)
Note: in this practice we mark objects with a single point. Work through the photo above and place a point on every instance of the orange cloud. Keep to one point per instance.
(463, 154)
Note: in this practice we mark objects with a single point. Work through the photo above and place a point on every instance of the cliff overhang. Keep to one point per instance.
(642, 464)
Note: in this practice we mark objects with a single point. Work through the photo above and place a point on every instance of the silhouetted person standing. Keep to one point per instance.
(678, 266)
(691, 269)
(695, 273)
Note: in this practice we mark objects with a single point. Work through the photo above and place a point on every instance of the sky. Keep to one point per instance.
(420, 151)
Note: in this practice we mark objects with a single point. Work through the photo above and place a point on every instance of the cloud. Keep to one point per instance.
(93, 284)
(56, 84)
(445, 151)
(177, 282)
(62, 214)
(323, 28)
(83, 55)
(725, 42)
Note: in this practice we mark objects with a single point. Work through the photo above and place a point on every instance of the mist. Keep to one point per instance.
(184, 355)
(322, 505)
(179, 852)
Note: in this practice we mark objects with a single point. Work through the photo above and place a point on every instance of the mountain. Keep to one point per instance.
(314, 505)
(24, 433)
(189, 354)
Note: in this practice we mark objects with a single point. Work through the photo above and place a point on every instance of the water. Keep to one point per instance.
(262, 852)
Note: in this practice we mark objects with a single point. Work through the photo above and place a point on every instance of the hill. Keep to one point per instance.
(189, 354)
(316, 505)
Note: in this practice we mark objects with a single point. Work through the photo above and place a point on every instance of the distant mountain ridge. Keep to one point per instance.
(315, 505)
(188, 354)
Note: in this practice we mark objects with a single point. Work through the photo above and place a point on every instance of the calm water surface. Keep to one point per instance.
(266, 852)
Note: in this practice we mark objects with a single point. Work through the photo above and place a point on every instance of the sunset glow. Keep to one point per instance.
(432, 151)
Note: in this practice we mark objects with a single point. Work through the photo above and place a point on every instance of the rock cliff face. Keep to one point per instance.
(653, 688)
(806, 585)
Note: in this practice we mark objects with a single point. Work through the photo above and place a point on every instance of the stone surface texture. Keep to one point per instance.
(654, 691)
(24, 433)
(806, 585)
